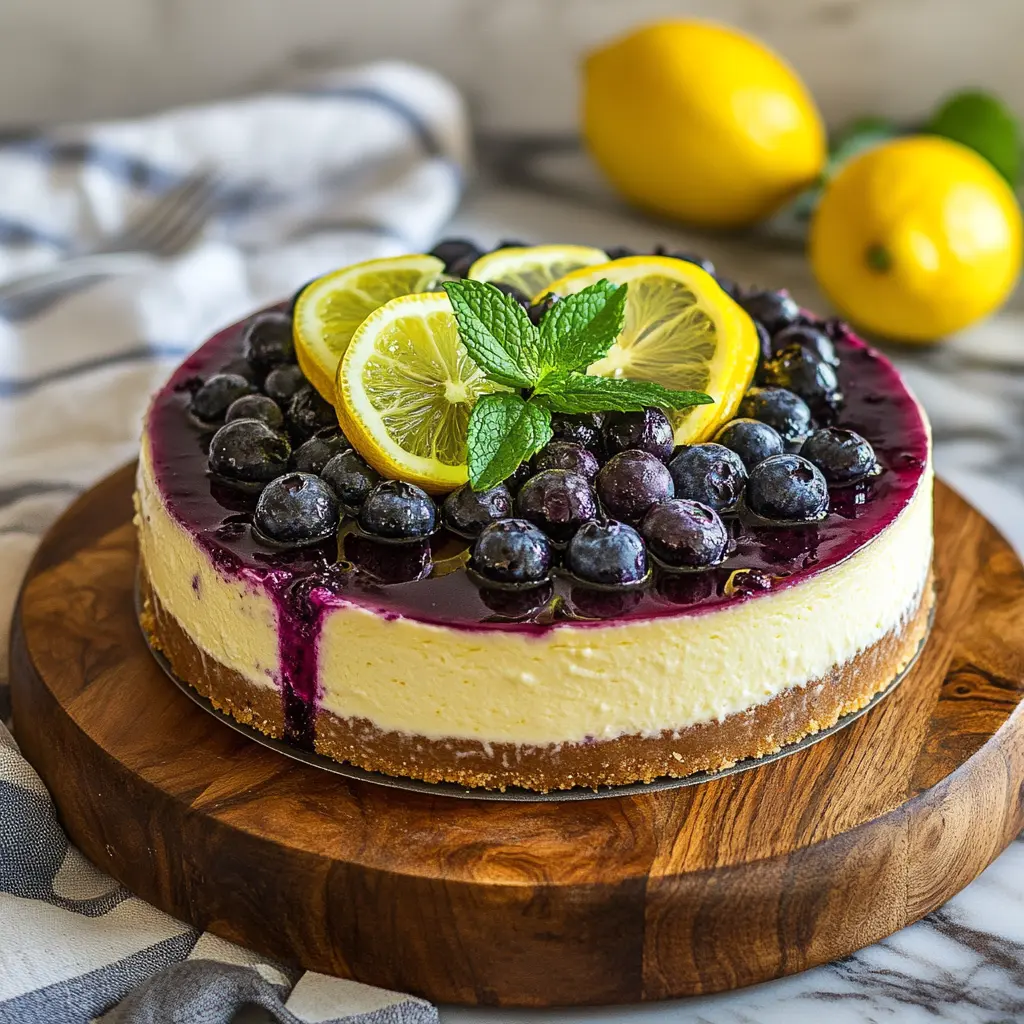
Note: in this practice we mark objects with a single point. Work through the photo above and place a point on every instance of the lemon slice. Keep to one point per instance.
(331, 308)
(532, 268)
(681, 331)
(405, 389)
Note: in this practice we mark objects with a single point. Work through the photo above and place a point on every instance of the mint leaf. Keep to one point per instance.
(504, 430)
(581, 328)
(497, 332)
(576, 392)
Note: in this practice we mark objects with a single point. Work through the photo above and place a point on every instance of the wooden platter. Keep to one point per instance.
(740, 879)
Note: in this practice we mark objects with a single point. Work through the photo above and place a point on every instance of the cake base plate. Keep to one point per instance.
(686, 890)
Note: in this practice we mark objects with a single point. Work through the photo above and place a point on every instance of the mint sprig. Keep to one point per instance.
(545, 368)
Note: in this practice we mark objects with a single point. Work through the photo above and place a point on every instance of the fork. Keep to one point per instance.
(165, 228)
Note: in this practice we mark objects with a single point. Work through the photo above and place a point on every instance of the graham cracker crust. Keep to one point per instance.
(707, 746)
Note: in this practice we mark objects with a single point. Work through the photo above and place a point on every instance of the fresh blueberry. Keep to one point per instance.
(687, 257)
(511, 243)
(647, 431)
(631, 482)
(843, 456)
(787, 488)
(256, 407)
(457, 254)
(296, 509)
(709, 473)
(467, 511)
(350, 478)
(774, 309)
(557, 501)
(752, 440)
(512, 551)
(764, 343)
(210, 402)
(241, 366)
(308, 413)
(730, 287)
(685, 534)
(801, 371)
(294, 300)
(566, 455)
(520, 475)
(269, 341)
(398, 510)
(313, 455)
(789, 414)
(284, 383)
(536, 311)
(513, 292)
(583, 428)
(608, 553)
(811, 338)
(619, 252)
(248, 452)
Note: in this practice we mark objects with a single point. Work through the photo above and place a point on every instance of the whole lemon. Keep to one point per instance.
(698, 122)
(917, 238)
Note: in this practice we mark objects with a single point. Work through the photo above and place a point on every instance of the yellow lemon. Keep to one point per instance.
(917, 238)
(699, 122)
(532, 268)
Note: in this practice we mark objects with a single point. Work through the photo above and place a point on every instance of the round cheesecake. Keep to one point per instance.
(395, 658)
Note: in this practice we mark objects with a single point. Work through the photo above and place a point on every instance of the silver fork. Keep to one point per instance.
(165, 228)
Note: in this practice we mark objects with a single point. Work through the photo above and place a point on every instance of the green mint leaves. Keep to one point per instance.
(545, 368)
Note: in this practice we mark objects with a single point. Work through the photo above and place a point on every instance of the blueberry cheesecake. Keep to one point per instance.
(540, 516)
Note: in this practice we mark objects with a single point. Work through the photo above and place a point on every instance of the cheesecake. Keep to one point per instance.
(779, 580)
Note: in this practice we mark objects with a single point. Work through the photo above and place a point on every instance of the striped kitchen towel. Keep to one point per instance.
(362, 163)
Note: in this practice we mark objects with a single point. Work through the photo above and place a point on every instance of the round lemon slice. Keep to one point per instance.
(531, 269)
(405, 387)
(681, 331)
(331, 308)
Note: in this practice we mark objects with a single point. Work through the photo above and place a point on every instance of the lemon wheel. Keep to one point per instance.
(530, 269)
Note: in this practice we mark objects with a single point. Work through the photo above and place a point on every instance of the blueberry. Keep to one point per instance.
(512, 551)
(647, 431)
(467, 511)
(566, 455)
(308, 413)
(520, 475)
(350, 478)
(811, 338)
(294, 300)
(398, 511)
(619, 252)
(631, 482)
(843, 456)
(730, 287)
(709, 473)
(752, 440)
(248, 452)
(787, 488)
(583, 428)
(801, 371)
(774, 309)
(685, 534)
(256, 407)
(513, 292)
(687, 257)
(211, 401)
(311, 456)
(536, 311)
(243, 368)
(789, 414)
(457, 254)
(764, 343)
(609, 553)
(269, 341)
(557, 501)
(284, 383)
(296, 509)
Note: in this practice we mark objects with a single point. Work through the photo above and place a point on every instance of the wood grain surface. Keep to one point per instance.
(710, 887)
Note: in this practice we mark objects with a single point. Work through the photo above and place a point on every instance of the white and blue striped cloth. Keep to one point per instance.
(359, 164)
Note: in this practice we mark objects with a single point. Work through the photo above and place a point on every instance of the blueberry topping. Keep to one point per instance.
(709, 473)
(566, 455)
(398, 511)
(256, 407)
(517, 603)
(843, 456)
(774, 309)
(457, 254)
(619, 252)
(467, 511)
(211, 401)
(269, 341)
(687, 257)
(789, 414)
(752, 440)
(513, 292)
(801, 371)
(608, 553)
(647, 431)
(537, 310)
(284, 383)
(631, 482)
(557, 501)
(296, 509)
(249, 452)
(583, 428)
(685, 534)
(311, 456)
(788, 488)
(350, 478)
(512, 551)
(308, 413)
(811, 338)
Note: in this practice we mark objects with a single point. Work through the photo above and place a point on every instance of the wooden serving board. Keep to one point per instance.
(738, 880)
